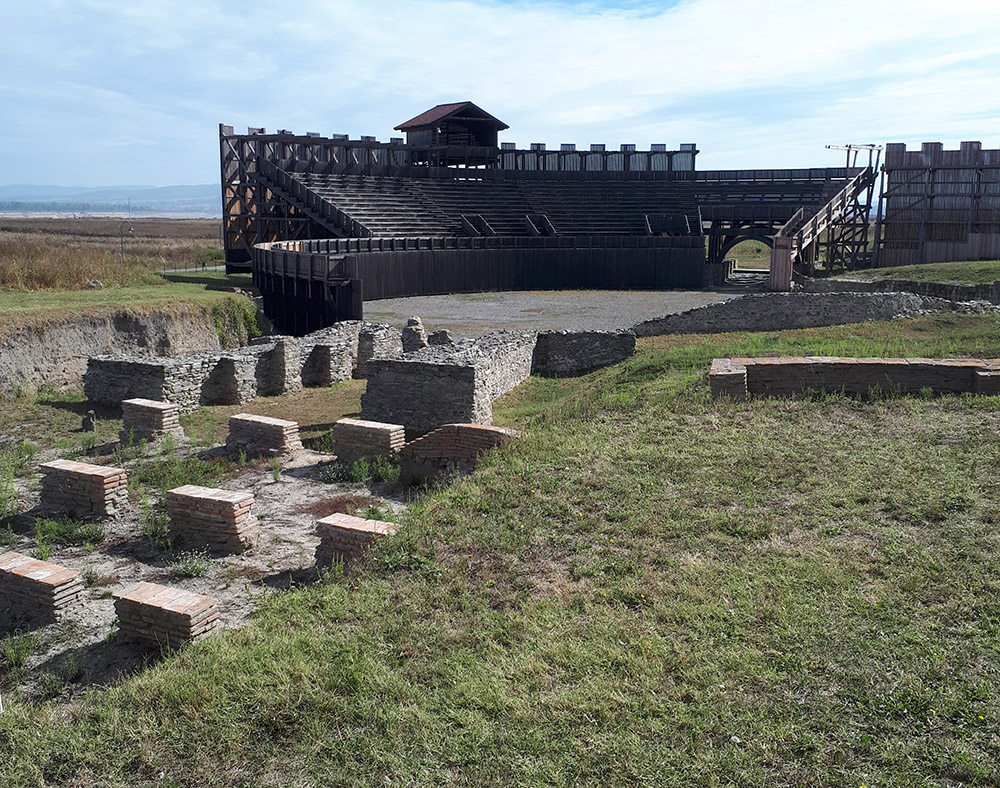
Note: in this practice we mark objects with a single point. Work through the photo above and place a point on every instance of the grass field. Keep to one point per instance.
(971, 272)
(52, 269)
(648, 588)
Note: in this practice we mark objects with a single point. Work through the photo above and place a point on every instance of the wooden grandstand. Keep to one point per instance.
(326, 223)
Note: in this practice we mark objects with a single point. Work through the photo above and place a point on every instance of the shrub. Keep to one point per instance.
(190, 564)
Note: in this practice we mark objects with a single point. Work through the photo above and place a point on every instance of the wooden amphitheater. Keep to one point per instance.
(327, 223)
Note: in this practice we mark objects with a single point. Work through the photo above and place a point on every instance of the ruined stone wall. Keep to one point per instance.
(269, 367)
(446, 384)
(567, 353)
(779, 311)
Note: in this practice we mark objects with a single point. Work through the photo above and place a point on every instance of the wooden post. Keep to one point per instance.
(781, 265)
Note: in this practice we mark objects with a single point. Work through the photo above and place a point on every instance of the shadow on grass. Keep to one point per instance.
(218, 282)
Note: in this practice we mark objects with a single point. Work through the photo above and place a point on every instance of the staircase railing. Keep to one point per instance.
(799, 233)
(308, 201)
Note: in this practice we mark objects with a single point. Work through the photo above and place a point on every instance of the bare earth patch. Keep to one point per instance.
(81, 648)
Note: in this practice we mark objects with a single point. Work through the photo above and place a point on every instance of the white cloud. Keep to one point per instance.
(752, 88)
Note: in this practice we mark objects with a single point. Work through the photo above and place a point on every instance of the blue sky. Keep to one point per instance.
(96, 93)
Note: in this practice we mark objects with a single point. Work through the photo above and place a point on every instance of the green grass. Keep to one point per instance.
(648, 588)
(971, 272)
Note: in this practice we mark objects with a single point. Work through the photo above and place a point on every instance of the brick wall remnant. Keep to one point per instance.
(149, 420)
(221, 520)
(258, 435)
(447, 385)
(36, 589)
(159, 616)
(569, 353)
(356, 438)
(451, 448)
(789, 375)
(79, 489)
(728, 379)
(344, 537)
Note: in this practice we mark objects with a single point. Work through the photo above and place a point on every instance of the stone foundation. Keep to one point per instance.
(82, 490)
(451, 448)
(257, 435)
(37, 590)
(270, 366)
(355, 438)
(344, 537)
(221, 520)
(569, 353)
(146, 419)
(441, 385)
(159, 616)
(377, 341)
(738, 377)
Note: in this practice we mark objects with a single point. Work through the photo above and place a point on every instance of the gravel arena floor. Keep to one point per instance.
(571, 310)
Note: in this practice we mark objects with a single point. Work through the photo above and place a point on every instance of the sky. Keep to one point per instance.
(97, 93)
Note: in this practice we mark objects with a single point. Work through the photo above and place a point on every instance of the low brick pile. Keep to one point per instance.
(82, 490)
(356, 438)
(221, 520)
(728, 379)
(343, 536)
(147, 419)
(158, 616)
(36, 589)
(256, 435)
(453, 447)
(738, 377)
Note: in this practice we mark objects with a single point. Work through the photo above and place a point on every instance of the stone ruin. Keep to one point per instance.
(737, 378)
(447, 384)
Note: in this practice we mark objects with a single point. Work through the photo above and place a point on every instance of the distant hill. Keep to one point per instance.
(203, 198)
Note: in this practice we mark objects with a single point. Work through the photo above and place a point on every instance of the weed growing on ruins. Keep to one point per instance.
(166, 473)
(385, 471)
(67, 531)
(189, 564)
(15, 649)
(129, 449)
(335, 472)
(13, 461)
(154, 524)
(276, 468)
(94, 579)
(323, 442)
(375, 512)
(361, 471)
(52, 683)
